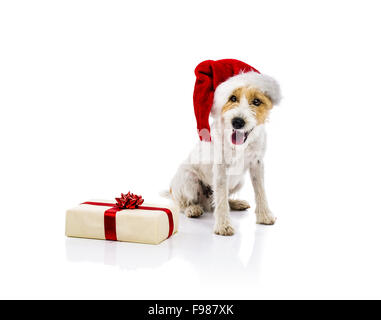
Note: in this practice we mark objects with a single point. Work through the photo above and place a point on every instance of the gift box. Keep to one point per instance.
(127, 219)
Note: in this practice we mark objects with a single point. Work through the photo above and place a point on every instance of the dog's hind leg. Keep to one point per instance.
(193, 211)
(238, 205)
(185, 191)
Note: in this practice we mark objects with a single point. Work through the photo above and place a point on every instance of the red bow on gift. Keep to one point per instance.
(129, 201)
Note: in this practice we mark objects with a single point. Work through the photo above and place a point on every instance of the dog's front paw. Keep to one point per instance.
(224, 229)
(265, 217)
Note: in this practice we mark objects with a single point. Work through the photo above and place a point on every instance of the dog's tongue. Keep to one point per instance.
(238, 137)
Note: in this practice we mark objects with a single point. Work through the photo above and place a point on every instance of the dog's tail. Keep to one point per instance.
(166, 194)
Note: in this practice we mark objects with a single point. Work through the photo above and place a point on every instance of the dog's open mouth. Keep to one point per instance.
(240, 136)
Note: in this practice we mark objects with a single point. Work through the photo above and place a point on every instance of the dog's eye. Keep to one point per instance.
(233, 99)
(257, 102)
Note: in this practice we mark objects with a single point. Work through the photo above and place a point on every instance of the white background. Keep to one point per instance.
(96, 99)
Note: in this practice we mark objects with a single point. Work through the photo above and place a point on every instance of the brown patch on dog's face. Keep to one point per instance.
(230, 104)
(258, 102)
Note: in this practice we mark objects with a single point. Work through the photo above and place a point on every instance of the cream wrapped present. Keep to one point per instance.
(125, 220)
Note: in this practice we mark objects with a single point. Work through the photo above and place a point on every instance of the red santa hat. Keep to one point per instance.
(216, 80)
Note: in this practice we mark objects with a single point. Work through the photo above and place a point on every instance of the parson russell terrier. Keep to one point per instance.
(239, 99)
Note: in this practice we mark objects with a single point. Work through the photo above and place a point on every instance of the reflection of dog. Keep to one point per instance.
(239, 98)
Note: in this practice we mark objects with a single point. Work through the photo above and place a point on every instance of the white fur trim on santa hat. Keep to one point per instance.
(266, 84)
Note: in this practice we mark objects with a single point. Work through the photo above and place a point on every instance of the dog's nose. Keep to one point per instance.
(238, 123)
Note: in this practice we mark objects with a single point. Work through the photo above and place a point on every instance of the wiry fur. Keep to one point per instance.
(262, 82)
(214, 171)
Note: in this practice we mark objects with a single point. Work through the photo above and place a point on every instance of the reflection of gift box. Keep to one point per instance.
(125, 220)
(129, 256)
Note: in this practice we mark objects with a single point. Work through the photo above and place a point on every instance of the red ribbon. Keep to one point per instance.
(110, 217)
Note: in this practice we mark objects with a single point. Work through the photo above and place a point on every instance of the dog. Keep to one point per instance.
(214, 171)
